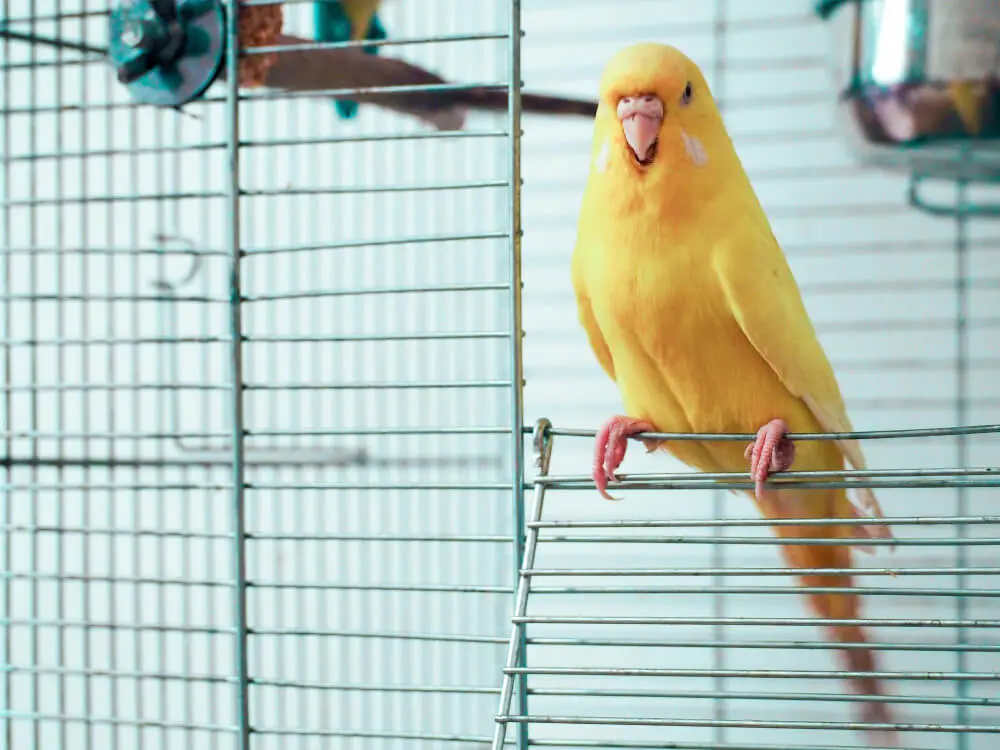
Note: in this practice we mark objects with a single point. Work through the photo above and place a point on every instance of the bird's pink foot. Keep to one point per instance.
(609, 448)
(771, 451)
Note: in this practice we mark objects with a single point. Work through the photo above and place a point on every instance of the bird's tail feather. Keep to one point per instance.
(855, 655)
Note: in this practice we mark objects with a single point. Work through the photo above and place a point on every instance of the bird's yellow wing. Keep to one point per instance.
(587, 319)
(766, 302)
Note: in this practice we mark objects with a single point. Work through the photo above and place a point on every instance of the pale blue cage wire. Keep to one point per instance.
(906, 306)
(376, 316)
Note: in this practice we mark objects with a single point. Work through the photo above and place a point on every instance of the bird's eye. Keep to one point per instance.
(686, 96)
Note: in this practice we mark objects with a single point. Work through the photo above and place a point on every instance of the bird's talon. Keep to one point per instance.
(610, 446)
(601, 482)
(770, 452)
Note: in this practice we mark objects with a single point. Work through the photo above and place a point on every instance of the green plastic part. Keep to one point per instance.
(332, 25)
(167, 52)
(826, 8)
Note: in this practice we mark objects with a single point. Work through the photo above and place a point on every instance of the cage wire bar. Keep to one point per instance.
(262, 399)
(669, 619)
(574, 582)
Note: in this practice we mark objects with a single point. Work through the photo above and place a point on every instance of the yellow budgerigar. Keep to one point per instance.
(690, 307)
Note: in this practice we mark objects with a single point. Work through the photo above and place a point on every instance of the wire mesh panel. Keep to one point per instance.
(364, 267)
(378, 332)
(687, 630)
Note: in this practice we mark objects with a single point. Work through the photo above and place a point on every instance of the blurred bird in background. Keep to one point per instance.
(361, 67)
(690, 306)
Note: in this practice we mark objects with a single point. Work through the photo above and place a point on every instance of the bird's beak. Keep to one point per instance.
(641, 118)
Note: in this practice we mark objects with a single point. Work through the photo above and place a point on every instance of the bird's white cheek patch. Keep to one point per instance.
(601, 162)
(695, 149)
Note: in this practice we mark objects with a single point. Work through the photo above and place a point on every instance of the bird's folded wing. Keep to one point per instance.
(767, 304)
(586, 315)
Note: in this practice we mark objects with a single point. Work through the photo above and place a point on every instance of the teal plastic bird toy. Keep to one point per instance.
(333, 25)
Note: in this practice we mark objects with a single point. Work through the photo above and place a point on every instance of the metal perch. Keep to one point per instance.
(152, 59)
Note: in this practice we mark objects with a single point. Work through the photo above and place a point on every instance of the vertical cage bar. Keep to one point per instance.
(59, 497)
(516, 363)
(112, 417)
(542, 441)
(961, 419)
(8, 515)
(85, 401)
(189, 568)
(236, 371)
(140, 421)
(160, 180)
(32, 347)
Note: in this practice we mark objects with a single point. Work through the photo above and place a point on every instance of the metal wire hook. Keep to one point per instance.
(541, 441)
(166, 286)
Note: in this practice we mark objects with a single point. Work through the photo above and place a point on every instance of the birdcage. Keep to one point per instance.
(261, 408)
(264, 434)
(669, 619)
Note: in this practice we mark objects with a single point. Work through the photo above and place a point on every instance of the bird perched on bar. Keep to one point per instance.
(689, 305)
(321, 70)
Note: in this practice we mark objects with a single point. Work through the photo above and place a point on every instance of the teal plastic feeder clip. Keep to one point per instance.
(167, 52)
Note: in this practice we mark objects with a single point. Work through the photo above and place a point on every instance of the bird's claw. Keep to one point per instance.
(770, 452)
(601, 482)
(609, 449)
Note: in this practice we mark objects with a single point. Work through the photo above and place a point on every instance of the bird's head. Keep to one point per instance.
(656, 114)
